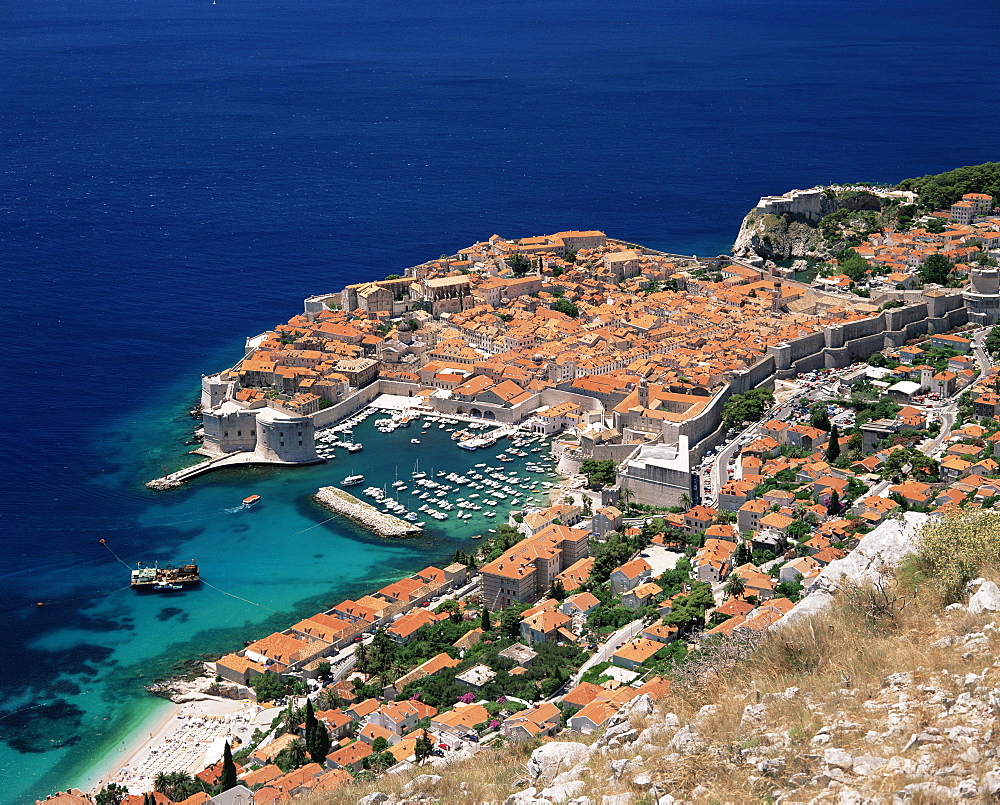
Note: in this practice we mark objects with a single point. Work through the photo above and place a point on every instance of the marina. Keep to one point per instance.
(465, 496)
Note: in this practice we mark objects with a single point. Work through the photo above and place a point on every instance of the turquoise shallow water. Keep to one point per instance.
(285, 558)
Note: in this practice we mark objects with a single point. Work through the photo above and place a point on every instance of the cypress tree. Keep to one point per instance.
(833, 507)
(228, 778)
(484, 620)
(833, 448)
(317, 738)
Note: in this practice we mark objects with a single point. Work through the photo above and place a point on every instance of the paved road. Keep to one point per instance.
(609, 647)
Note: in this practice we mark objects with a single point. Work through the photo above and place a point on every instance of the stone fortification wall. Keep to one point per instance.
(845, 344)
(349, 405)
(812, 204)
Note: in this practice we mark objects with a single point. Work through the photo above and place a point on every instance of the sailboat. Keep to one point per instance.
(416, 471)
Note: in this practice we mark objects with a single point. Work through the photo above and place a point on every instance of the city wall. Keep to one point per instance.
(833, 348)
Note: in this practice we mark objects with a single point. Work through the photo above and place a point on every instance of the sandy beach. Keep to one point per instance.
(189, 737)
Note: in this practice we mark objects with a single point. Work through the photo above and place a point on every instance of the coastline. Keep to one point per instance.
(155, 724)
(149, 751)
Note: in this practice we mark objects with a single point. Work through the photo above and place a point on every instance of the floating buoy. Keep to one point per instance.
(102, 542)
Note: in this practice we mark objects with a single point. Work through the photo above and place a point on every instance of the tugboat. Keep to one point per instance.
(166, 578)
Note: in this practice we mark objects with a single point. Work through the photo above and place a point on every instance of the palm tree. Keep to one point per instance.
(686, 501)
(162, 782)
(735, 586)
(625, 497)
(361, 656)
(297, 753)
(327, 699)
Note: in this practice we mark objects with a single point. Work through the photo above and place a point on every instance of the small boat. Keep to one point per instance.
(414, 441)
(251, 500)
(167, 586)
(353, 480)
(477, 536)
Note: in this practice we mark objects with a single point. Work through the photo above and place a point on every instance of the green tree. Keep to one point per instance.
(557, 590)
(834, 507)
(510, 620)
(735, 585)
(599, 473)
(317, 737)
(819, 417)
(747, 407)
(567, 307)
(292, 757)
(380, 744)
(853, 265)
(936, 269)
(423, 748)
(833, 448)
(267, 686)
(111, 794)
(520, 264)
(228, 777)
(361, 657)
(484, 620)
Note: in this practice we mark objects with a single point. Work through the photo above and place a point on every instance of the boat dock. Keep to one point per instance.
(385, 525)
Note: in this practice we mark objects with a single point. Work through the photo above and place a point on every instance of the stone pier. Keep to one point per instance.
(385, 525)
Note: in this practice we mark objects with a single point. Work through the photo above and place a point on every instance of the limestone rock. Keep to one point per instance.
(881, 548)
(838, 758)
(985, 599)
(376, 798)
(685, 741)
(552, 758)
(424, 782)
(562, 792)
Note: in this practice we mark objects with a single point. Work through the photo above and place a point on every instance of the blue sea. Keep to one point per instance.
(178, 175)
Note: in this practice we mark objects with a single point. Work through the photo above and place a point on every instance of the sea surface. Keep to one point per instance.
(178, 175)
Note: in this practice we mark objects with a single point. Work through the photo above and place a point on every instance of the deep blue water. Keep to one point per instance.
(178, 175)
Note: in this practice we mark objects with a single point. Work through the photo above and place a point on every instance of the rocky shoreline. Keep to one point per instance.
(385, 525)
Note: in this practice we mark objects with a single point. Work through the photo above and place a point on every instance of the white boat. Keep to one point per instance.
(414, 441)
(353, 480)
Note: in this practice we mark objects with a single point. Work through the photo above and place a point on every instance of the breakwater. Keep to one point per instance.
(385, 525)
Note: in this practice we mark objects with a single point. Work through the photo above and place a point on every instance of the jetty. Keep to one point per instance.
(385, 525)
(176, 479)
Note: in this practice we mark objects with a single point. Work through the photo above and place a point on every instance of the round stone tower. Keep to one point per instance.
(982, 296)
(285, 437)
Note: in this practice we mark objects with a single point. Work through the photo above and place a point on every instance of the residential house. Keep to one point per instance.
(630, 575)
(606, 518)
(632, 655)
(641, 596)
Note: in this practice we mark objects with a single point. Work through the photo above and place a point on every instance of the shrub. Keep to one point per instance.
(956, 549)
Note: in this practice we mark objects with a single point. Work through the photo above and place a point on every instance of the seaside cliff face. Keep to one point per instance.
(787, 235)
(777, 237)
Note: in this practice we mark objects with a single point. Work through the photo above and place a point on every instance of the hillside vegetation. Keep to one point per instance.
(941, 190)
(890, 694)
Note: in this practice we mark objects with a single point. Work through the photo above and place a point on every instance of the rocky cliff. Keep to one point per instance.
(774, 234)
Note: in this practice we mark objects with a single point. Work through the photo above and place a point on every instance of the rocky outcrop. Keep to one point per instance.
(777, 237)
(774, 233)
(878, 552)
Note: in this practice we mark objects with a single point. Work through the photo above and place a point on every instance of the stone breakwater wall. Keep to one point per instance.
(385, 525)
